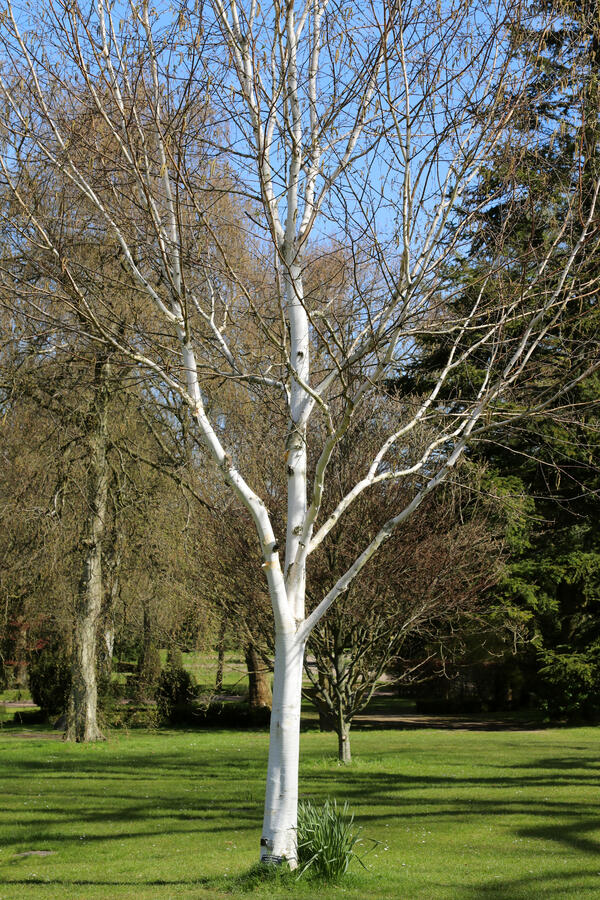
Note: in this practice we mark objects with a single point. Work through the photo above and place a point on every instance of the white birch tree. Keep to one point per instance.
(354, 126)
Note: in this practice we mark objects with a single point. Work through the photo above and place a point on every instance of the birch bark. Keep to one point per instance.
(278, 841)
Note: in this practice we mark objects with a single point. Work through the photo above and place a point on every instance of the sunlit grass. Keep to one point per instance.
(461, 815)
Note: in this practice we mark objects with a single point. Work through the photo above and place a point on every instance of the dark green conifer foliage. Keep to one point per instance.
(545, 467)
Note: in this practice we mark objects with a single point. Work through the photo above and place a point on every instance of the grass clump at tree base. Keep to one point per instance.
(327, 840)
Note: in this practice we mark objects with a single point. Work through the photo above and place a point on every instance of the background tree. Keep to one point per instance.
(35, 551)
(49, 412)
(554, 577)
(551, 586)
(427, 586)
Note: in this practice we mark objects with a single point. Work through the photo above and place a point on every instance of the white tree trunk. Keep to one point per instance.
(279, 840)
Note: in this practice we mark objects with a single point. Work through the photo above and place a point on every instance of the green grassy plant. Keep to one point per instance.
(326, 839)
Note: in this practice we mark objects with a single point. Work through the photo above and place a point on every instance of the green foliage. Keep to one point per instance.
(228, 714)
(112, 711)
(174, 694)
(510, 502)
(543, 468)
(28, 717)
(49, 673)
(174, 658)
(571, 683)
(132, 716)
(326, 840)
(149, 671)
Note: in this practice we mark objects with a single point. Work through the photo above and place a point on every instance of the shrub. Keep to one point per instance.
(29, 717)
(174, 658)
(570, 684)
(49, 673)
(233, 714)
(200, 713)
(110, 700)
(174, 694)
(326, 840)
(450, 706)
(131, 715)
(149, 672)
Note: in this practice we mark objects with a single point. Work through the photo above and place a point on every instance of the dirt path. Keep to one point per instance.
(31, 735)
(18, 704)
(453, 723)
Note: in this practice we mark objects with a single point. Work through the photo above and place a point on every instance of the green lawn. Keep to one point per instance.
(461, 815)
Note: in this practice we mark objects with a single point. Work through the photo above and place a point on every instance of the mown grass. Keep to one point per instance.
(461, 815)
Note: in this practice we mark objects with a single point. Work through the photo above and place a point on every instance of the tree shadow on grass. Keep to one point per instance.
(487, 797)
(214, 888)
(563, 827)
(382, 721)
(269, 878)
(573, 837)
(531, 887)
(379, 787)
(560, 763)
(112, 800)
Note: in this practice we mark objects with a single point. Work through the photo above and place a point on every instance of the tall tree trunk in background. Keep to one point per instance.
(149, 664)
(342, 725)
(259, 689)
(82, 724)
(343, 733)
(220, 656)
(111, 561)
(20, 653)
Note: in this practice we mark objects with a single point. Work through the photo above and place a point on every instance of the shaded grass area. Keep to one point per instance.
(7, 713)
(13, 700)
(460, 815)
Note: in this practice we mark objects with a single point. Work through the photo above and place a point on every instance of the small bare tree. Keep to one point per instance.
(423, 589)
(361, 125)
